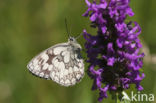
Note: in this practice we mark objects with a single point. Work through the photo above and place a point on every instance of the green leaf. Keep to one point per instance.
(118, 100)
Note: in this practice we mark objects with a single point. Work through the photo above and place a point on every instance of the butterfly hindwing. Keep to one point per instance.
(59, 63)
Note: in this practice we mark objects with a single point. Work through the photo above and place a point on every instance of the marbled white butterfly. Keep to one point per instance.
(61, 63)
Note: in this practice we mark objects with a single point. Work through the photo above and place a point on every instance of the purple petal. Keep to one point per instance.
(103, 5)
(110, 61)
(104, 29)
(130, 12)
(88, 3)
(93, 17)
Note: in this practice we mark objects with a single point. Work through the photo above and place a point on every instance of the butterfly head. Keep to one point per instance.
(72, 40)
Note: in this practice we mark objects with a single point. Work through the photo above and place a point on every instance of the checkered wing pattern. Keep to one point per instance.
(61, 63)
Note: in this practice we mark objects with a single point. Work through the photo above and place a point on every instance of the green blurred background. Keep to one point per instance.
(29, 26)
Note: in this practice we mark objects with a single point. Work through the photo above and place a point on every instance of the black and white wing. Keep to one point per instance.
(59, 63)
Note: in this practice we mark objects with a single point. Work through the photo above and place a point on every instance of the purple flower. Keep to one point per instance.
(113, 53)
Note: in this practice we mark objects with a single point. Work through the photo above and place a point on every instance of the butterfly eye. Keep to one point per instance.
(71, 39)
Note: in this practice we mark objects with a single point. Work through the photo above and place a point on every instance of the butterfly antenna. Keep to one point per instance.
(67, 27)
(70, 29)
(78, 36)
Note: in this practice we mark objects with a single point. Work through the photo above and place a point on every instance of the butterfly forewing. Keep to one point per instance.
(61, 63)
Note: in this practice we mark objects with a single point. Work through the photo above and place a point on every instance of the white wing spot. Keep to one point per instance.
(62, 81)
(50, 51)
(64, 53)
(31, 64)
(46, 76)
(76, 69)
(52, 74)
(73, 80)
(45, 66)
(56, 79)
(41, 74)
(50, 67)
(55, 62)
(61, 75)
(82, 70)
(37, 73)
(33, 71)
(65, 72)
(61, 66)
(67, 81)
(36, 67)
(30, 67)
(58, 50)
(57, 74)
(80, 64)
(78, 76)
(45, 57)
(67, 58)
(70, 70)
(35, 62)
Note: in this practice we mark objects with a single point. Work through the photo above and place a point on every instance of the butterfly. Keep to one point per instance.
(61, 63)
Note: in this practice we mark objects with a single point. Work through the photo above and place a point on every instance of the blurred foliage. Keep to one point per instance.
(29, 26)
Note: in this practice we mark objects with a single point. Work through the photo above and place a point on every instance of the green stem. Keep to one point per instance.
(116, 98)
